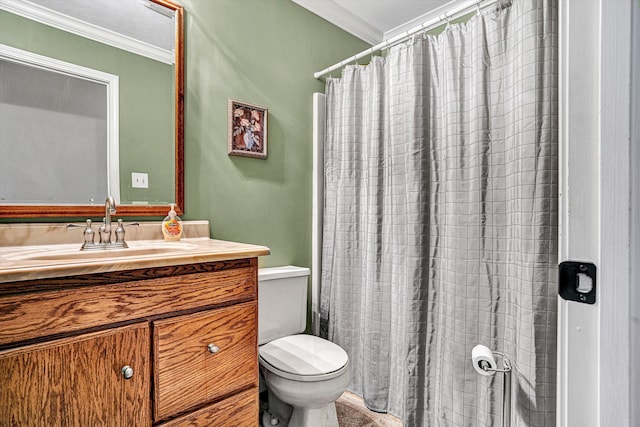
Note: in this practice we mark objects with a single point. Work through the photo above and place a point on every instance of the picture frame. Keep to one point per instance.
(247, 131)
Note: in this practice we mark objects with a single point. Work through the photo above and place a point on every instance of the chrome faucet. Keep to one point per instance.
(105, 230)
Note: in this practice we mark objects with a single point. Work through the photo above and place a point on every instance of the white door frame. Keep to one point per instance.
(594, 106)
(634, 359)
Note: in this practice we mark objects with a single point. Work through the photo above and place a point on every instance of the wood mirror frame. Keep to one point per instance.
(49, 211)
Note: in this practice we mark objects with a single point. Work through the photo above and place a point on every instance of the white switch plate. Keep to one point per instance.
(139, 180)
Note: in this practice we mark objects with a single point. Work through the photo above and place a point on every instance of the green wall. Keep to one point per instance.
(262, 52)
(146, 113)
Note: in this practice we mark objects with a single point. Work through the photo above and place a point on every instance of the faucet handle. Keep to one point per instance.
(120, 232)
(88, 234)
(72, 225)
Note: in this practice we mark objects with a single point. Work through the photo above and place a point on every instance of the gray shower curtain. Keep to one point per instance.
(440, 219)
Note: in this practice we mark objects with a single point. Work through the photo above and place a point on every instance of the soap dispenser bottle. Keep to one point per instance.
(172, 226)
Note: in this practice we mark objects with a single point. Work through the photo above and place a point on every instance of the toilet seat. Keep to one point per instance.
(304, 358)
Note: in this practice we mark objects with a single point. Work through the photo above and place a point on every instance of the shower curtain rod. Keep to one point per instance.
(455, 12)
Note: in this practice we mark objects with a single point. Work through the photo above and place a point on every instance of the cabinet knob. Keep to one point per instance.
(213, 349)
(127, 372)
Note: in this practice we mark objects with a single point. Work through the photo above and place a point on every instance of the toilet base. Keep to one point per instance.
(281, 414)
(301, 417)
(277, 412)
(315, 417)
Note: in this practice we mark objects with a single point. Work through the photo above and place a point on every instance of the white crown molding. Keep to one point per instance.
(84, 29)
(341, 17)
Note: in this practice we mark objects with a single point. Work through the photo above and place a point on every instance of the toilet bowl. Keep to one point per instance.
(304, 374)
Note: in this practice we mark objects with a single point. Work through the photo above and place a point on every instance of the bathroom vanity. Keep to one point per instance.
(164, 334)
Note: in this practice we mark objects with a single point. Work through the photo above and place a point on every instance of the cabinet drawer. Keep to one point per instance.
(28, 316)
(187, 373)
(240, 410)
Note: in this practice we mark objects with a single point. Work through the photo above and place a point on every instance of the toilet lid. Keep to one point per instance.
(304, 355)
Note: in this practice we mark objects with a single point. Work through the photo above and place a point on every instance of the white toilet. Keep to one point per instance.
(304, 374)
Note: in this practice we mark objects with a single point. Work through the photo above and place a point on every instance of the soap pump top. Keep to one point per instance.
(172, 225)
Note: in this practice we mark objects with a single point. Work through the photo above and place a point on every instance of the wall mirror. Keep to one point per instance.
(141, 43)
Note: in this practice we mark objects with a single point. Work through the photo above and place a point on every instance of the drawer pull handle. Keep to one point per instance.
(127, 372)
(213, 349)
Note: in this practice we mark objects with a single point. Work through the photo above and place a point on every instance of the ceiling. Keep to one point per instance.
(376, 20)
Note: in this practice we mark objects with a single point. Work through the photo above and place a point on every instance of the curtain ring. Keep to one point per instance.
(478, 7)
(445, 18)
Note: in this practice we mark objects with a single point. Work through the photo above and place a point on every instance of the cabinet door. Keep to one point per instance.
(79, 381)
(203, 357)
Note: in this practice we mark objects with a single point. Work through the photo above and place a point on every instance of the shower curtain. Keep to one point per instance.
(440, 219)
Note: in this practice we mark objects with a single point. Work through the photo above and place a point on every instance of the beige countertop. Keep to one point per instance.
(40, 261)
(19, 263)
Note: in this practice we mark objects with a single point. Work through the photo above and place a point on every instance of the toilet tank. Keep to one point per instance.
(282, 302)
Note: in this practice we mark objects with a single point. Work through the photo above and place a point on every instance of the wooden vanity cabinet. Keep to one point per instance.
(79, 381)
(170, 346)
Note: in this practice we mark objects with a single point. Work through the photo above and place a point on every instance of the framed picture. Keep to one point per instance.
(247, 130)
